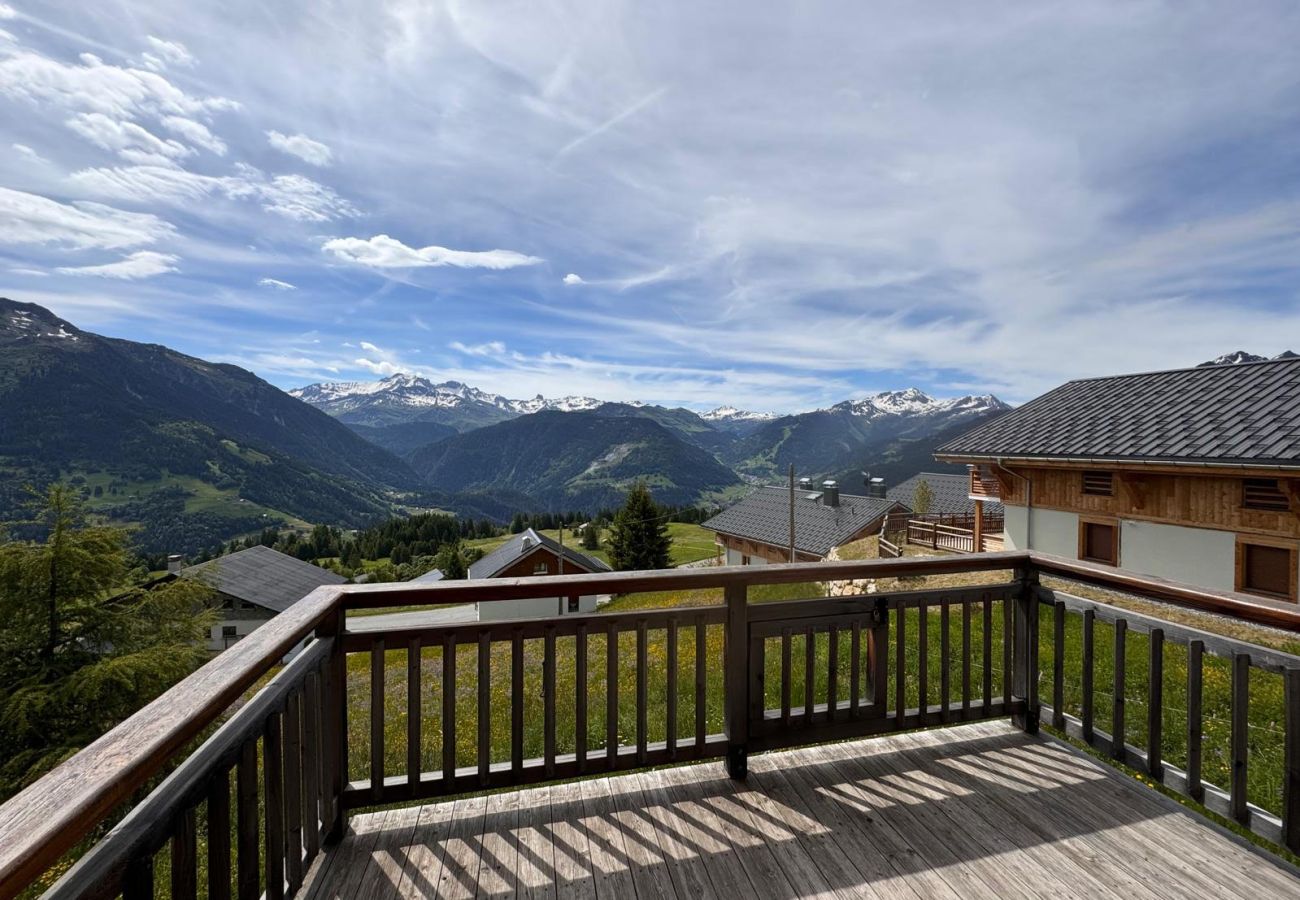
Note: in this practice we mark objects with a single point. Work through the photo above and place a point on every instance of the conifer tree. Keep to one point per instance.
(638, 537)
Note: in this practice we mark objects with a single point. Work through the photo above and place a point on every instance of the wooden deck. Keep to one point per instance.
(978, 810)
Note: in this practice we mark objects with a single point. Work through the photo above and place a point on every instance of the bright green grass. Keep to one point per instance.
(689, 543)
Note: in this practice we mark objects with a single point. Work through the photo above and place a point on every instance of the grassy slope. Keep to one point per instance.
(689, 543)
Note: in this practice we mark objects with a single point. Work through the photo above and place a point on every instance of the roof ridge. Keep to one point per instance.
(1199, 367)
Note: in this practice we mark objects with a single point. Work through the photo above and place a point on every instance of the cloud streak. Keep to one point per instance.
(384, 252)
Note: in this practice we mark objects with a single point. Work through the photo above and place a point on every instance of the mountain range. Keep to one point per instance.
(1241, 356)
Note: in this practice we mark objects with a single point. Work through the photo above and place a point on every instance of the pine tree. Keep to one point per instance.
(638, 537)
(79, 650)
(591, 537)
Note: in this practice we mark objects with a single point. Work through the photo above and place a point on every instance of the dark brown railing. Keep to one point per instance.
(531, 701)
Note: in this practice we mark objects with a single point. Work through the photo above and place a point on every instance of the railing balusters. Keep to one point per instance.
(1058, 665)
(670, 715)
(517, 703)
(311, 733)
(988, 653)
(700, 684)
(735, 677)
(945, 662)
(137, 884)
(611, 695)
(1155, 703)
(809, 674)
(900, 665)
(548, 701)
(855, 668)
(923, 663)
(414, 711)
(1008, 643)
(1195, 654)
(832, 673)
(185, 865)
(785, 677)
(273, 794)
(219, 864)
(642, 700)
(1089, 634)
(965, 661)
(293, 791)
(1291, 760)
(483, 684)
(580, 700)
(449, 709)
(1117, 698)
(1240, 734)
(377, 668)
(880, 661)
(249, 882)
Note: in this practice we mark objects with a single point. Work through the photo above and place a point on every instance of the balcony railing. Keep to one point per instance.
(248, 810)
(984, 484)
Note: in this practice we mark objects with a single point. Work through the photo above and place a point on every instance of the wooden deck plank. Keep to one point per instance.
(979, 810)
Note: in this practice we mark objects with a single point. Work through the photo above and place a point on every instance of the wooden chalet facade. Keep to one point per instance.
(1192, 475)
(530, 554)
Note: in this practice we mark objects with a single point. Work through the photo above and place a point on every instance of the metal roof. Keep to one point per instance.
(1246, 414)
(526, 542)
(263, 577)
(949, 494)
(764, 516)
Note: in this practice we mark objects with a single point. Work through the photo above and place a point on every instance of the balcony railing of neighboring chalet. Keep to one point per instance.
(257, 800)
(984, 484)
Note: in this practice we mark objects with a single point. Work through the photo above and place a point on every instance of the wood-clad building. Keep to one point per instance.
(1192, 474)
(531, 554)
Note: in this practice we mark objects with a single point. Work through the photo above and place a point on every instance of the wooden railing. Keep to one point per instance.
(956, 534)
(983, 484)
(363, 719)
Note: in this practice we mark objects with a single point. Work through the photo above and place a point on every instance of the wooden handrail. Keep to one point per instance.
(47, 818)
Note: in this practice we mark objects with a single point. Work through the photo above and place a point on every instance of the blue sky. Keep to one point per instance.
(775, 206)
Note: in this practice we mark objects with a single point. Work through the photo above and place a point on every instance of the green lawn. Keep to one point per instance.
(689, 543)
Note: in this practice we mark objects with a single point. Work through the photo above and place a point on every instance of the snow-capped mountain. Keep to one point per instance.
(731, 414)
(1241, 356)
(561, 404)
(915, 402)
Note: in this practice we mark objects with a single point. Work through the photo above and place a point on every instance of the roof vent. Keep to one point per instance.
(528, 541)
(175, 562)
(830, 493)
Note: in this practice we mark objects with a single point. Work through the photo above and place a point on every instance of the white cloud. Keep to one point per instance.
(383, 252)
(195, 132)
(141, 264)
(8, 36)
(7, 11)
(165, 53)
(24, 150)
(573, 279)
(132, 142)
(292, 196)
(32, 219)
(276, 283)
(491, 349)
(301, 146)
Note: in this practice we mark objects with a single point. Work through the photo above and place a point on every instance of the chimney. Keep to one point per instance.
(175, 562)
(830, 493)
(876, 488)
(805, 484)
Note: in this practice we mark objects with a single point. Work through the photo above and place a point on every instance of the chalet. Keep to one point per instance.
(757, 529)
(1191, 474)
(254, 585)
(529, 554)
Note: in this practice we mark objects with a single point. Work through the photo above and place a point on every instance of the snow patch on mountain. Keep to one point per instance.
(731, 414)
(915, 402)
(1241, 356)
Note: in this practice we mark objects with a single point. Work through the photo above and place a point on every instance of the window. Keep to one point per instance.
(744, 560)
(1263, 493)
(540, 569)
(1099, 484)
(573, 604)
(1267, 569)
(1099, 542)
(227, 631)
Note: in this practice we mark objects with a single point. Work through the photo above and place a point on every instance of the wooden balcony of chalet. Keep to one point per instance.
(883, 745)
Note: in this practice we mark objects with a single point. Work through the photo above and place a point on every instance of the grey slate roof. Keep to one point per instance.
(428, 577)
(949, 494)
(1246, 414)
(263, 577)
(764, 516)
(513, 549)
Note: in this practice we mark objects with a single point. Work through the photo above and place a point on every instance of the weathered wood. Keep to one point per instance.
(548, 700)
(377, 670)
(449, 706)
(701, 683)
(414, 710)
(880, 662)
(311, 769)
(185, 864)
(1088, 668)
(1117, 700)
(832, 672)
(945, 664)
(855, 668)
(1026, 649)
(249, 881)
(1155, 702)
(273, 796)
(786, 678)
(1291, 761)
(670, 714)
(218, 834)
(809, 675)
(580, 701)
(611, 696)
(900, 663)
(988, 650)
(1058, 665)
(642, 701)
(1240, 733)
(293, 792)
(483, 686)
(965, 660)
(736, 679)
(923, 661)
(1008, 647)
(1195, 725)
(517, 700)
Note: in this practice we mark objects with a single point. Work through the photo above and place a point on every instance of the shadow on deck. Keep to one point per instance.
(979, 810)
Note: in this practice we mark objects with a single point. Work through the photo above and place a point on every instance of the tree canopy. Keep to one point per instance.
(638, 537)
(80, 649)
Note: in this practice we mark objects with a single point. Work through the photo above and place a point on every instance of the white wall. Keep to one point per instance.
(736, 558)
(535, 608)
(1200, 556)
(1050, 531)
(1016, 528)
(243, 627)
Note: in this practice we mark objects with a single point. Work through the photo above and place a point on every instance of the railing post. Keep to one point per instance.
(334, 725)
(736, 680)
(1024, 683)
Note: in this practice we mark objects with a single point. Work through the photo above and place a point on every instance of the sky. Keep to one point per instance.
(774, 206)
